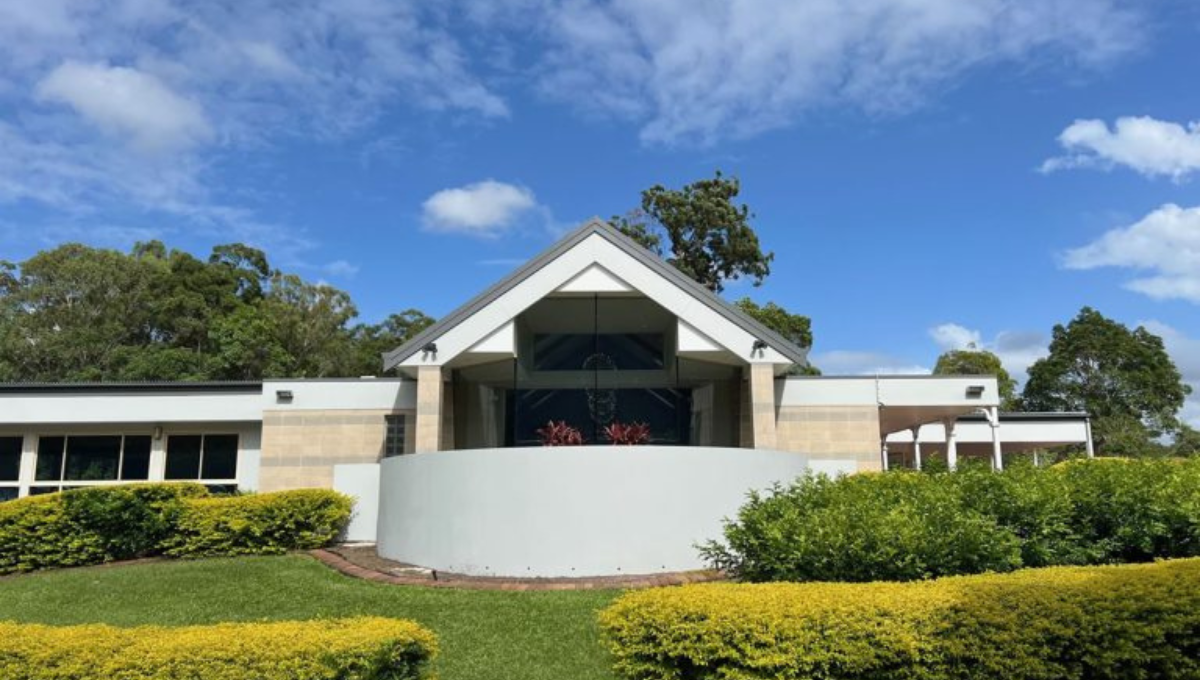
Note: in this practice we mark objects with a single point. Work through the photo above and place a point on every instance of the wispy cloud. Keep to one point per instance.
(1165, 243)
(1146, 145)
(688, 71)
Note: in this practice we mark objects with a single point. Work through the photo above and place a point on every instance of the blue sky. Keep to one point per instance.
(928, 172)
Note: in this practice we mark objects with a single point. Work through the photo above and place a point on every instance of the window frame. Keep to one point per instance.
(14, 484)
(61, 483)
(214, 481)
(394, 443)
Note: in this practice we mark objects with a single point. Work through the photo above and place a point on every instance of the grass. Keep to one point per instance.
(483, 634)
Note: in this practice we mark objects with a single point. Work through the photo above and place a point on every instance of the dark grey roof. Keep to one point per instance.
(137, 386)
(631, 247)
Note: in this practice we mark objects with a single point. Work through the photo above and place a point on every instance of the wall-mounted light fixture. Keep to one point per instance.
(974, 391)
(429, 348)
(283, 396)
(759, 346)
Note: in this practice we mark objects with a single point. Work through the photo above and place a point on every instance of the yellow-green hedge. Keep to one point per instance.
(358, 649)
(1058, 623)
(89, 526)
(258, 524)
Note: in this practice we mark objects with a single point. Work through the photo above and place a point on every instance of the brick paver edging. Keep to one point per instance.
(348, 568)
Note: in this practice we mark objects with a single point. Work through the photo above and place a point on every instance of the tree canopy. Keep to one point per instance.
(710, 239)
(82, 313)
(1124, 379)
(973, 361)
(708, 235)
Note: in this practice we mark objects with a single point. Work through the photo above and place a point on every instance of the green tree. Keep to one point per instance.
(793, 327)
(973, 361)
(82, 313)
(709, 235)
(371, 341)
(1123, 378)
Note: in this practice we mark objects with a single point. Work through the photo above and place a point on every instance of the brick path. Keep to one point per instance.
(442, 580)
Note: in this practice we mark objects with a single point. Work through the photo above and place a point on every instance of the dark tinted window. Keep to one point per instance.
(183, 457)
(8, 493)
(49, 459)
(598, 352)
(91, 458)
(137, 458)
(10, 458)
(220, 456)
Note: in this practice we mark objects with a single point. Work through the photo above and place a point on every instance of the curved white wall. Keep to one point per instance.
(570, 511)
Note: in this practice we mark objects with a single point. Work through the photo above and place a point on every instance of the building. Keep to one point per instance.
(594, 330)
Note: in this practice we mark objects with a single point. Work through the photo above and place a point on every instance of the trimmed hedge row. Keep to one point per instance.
(103, 524)
(906, 526)
(362, 649)
(1060, 623)
(265, 524)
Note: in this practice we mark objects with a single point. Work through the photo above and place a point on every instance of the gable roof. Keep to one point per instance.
(635, 250)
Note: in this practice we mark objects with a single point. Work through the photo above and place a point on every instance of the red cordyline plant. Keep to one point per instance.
(633, 434)
(560, 434)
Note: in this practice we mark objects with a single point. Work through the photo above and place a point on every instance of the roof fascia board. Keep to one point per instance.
(780, 350)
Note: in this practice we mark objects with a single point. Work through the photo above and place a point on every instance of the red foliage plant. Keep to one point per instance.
(560, 434)
(627, 435)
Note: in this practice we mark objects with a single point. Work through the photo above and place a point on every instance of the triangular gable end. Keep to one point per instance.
(574, 266)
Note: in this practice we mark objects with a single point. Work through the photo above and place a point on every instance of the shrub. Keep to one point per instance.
(89, 526)
(261, 524)
(559, 433)
(1140, 621)
(363, 649)
(904, 526)
(862, 528)
(634, 434)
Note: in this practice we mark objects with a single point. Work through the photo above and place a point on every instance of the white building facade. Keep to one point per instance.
(445, 456)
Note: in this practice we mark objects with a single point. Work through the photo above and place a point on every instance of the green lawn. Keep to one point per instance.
(483, 634)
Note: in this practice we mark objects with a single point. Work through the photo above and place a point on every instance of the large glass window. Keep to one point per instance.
(91, 458)
(10, 458)
(202, 456)
(598, 351)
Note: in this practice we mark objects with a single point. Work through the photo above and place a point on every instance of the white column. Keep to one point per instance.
(158, 455)
(993, 416)
(883, 454)
(28, 465)
(1091, 449)
(917, 447)
(951, 443)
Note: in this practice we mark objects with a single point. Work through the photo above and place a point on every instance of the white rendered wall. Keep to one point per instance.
(570, 511)
(360, 482)
(339, 394)
(128, 407)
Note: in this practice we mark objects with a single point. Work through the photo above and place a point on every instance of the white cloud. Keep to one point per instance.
(949, 336)
(129, 103)
(1165, 243)
(88, 88)
(1149, 146)
(705, 71)
(1185, 352)
(846, 362)
(1017, 350)
(484, 208)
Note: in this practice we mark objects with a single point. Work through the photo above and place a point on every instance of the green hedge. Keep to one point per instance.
(107, 523)
(90, 526)
(261, 524)
(358, 649)
(906, 526)
(1057, 623)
